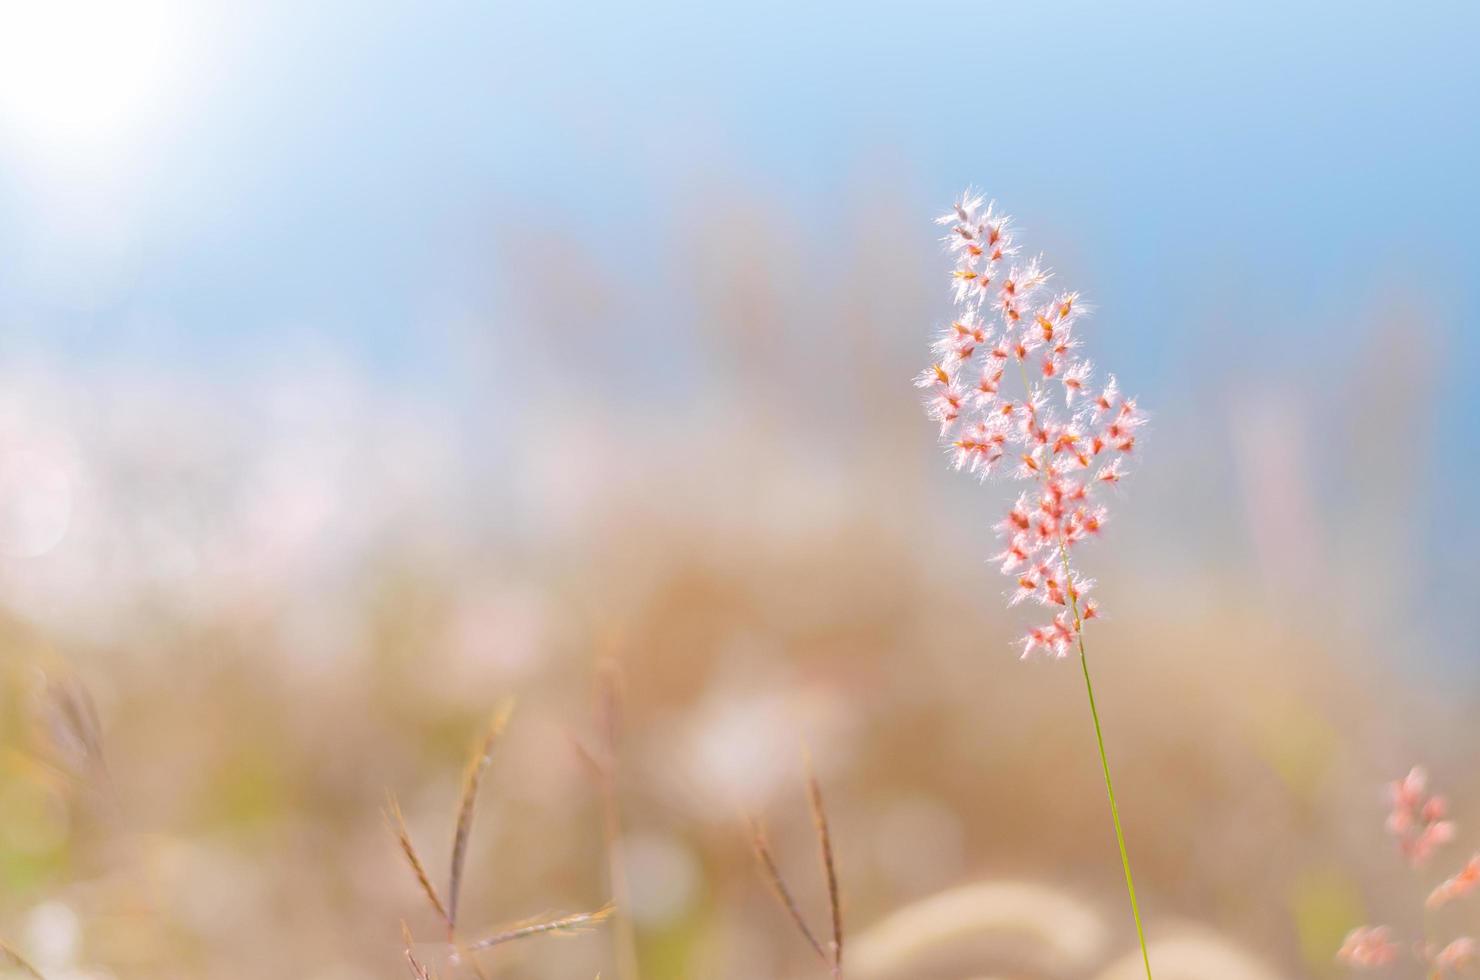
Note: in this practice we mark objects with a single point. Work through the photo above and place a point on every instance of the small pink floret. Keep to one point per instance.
(1456, 956)
(1457, 886)
(1368, 947)
(1067, 456)
(1417, 819)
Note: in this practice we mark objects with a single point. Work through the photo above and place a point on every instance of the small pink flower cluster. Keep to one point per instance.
(1454, 957)
(1369, 946)
(1457, 886)
(1418, 822)
(1005, 317)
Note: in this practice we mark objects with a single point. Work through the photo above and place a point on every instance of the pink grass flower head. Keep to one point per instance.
(1065, 438)
(1015, 398)
(1368, 947)
(1418, 820)
(1455, 957)
(1458, 886)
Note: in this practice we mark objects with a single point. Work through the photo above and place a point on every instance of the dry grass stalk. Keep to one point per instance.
(9, 955)
(397, 822)
(773, 878)
(609, 725)
(419, 970)
(458, 952)
(72, 722)
(564, 924)
(829, 868)
(68, 720)
(609, 703)
(832, 953)
(472, 777)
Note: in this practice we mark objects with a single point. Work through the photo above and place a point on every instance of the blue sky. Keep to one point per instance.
(1253, 181)
(323, 173)
(1240, 188)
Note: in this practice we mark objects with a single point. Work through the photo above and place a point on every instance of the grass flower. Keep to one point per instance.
(1368, 946)
(1049, 428)
(1456, 956)
(1417, 819)
(1457, 886)
(1419, 822)
(1067, 441)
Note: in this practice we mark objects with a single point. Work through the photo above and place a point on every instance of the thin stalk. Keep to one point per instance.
(762, 848)
(829, 868)
(1125, 860)
(8, 953)
(609, 719)
(624, 935)
(1094, 712)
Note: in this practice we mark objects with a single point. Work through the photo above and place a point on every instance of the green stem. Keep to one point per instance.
(1125, 861)
(1089, 688)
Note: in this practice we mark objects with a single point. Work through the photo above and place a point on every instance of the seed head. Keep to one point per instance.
(1418, 820)
(1009, 329)
(1368, 946)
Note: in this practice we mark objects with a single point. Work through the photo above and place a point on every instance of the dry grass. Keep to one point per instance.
(777, 883)
(397, 823)
(831, 955)
(15, 959)
(472, 779)
(541, 926)
(829, 867)
(458, 951)
(419, 970)
(609, 729)
(1022, 925)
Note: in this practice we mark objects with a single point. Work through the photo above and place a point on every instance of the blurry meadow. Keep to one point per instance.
(654, 471)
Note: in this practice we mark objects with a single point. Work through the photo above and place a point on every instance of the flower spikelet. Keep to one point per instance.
(1457, 886)
(1368, 946)
(1419, 821)
(1015, 398)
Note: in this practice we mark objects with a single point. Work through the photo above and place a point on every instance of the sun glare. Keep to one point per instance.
(80, 75)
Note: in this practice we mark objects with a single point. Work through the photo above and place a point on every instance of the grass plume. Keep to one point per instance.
(458, 951)
(472, 778)
(397, 822)
(537, 927)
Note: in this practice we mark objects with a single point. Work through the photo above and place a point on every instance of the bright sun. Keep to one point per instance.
(79, 75)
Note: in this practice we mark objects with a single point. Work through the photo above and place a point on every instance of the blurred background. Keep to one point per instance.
(363, 364)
